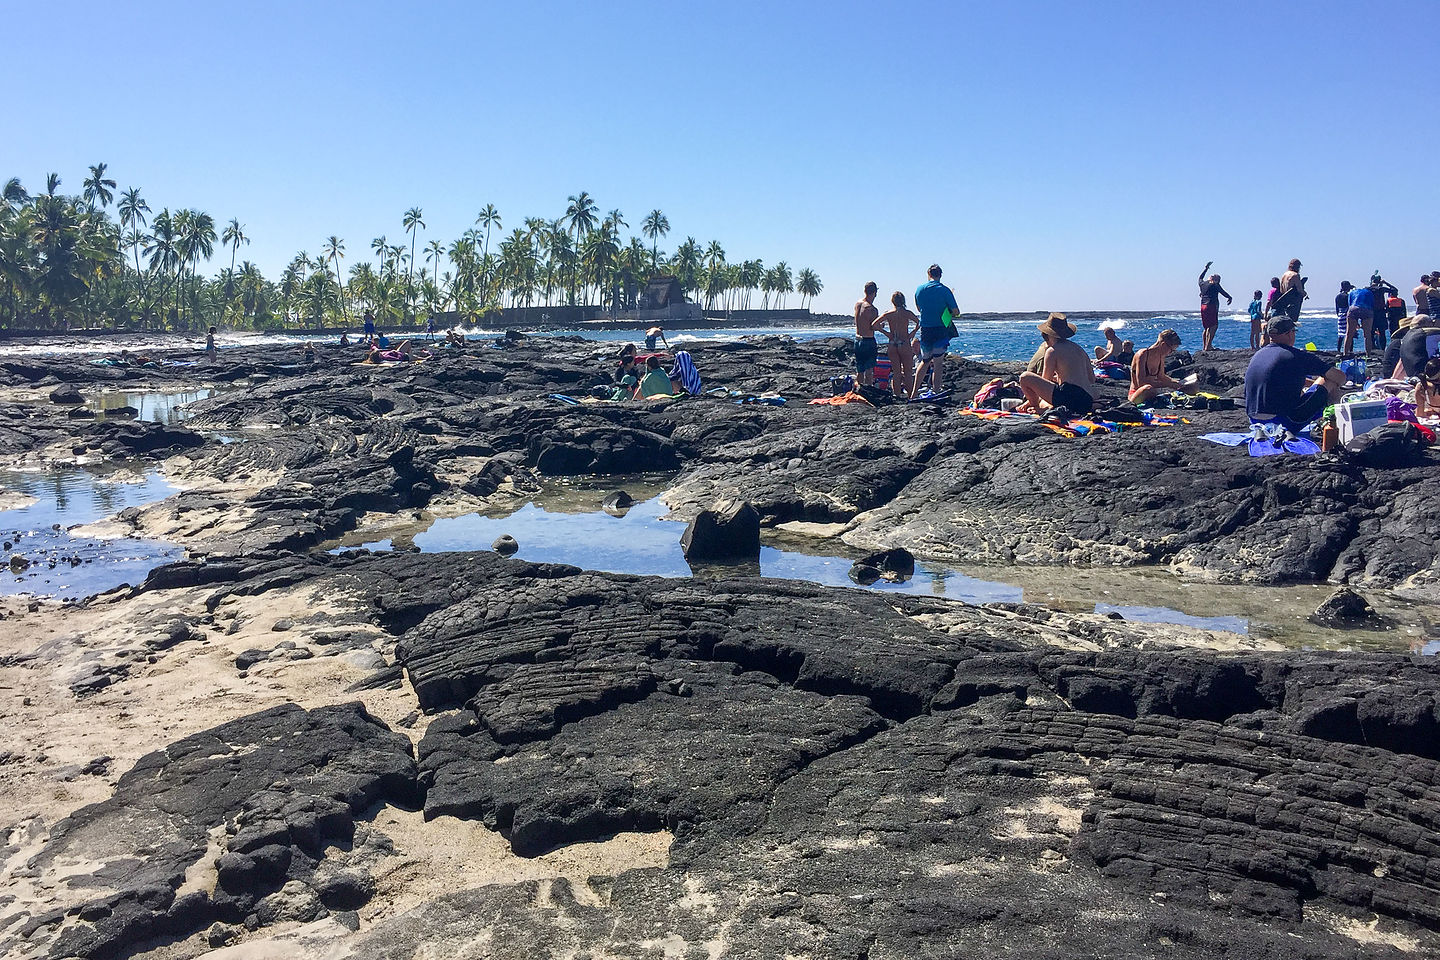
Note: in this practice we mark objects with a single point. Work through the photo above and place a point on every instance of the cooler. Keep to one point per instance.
(1361, 416)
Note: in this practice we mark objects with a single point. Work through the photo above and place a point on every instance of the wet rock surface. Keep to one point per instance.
(844, 773)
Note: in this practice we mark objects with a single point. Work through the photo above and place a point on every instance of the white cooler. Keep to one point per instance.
(1362, 416)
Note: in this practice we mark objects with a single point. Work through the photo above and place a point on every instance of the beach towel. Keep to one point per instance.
(565, 399)
(685, 372)
(1226, 439)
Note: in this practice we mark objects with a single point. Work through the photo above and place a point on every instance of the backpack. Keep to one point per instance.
(1393, 445)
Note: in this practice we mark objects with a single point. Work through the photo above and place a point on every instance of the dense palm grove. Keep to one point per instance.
(104, 258)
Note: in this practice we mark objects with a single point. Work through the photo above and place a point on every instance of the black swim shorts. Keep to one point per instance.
(1074, 398)
(865, 353)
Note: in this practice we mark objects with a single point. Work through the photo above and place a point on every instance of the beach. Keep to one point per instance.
(976, 683)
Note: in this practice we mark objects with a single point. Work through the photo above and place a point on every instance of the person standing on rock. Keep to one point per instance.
(899, 326)
(1422, 295)
(865, 350)
(932, 299)
(1210, 294)
(1067, 378)
(1292, 293)
(1342, 314)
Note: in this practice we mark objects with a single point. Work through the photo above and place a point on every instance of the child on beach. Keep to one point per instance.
(210, 352)
(1257, 312)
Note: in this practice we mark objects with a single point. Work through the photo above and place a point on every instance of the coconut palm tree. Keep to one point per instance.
(378, 245)
(334, 251)
(232, 237)
(808, 285)
(197, 240)
(433, 252)
(413, 221)
(654, 226)
(133, 209)
(98, 187)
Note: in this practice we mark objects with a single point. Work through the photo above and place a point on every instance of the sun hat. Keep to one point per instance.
(1057, 325)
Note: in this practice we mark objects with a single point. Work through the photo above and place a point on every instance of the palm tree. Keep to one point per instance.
(412, 222)
(581, 214)
(13, 194)
(196, 241)
(334, 250)
(654, 226)
(232, 237)
(162, 247)
(98, 187)
(378, 245)
(433, 252)
(133, 209)
(808, 285)
(52, 183)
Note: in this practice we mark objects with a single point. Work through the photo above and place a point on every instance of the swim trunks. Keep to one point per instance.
(933, 342)
(865, 353)
(1210, 315)
(1312, 403)
(1073, 397)
(1356, 318)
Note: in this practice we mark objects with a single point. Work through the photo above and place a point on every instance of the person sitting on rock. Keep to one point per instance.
(1427, 391)
(627, 366)
(1288, 385)
(1147, 373)
(1115, 350)
(1420, 343)
(656, 382)
(1066, 378)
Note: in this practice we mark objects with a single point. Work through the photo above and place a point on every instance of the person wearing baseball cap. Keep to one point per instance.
(1288, 385)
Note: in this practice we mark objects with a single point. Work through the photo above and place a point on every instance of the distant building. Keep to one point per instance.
(664, 299)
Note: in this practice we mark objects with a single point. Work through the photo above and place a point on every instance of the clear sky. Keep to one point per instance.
(1048, 155)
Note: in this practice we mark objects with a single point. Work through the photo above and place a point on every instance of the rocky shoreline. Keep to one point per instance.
(721, 766)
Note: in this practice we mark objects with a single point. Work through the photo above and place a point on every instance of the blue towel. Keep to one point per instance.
(1301, 446)
(564, 399)
(685, 372)
(1226, 439)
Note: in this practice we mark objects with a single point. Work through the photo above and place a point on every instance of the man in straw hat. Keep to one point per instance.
(1066, 378)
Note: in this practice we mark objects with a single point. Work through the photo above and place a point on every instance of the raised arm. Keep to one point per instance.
(1205, 269)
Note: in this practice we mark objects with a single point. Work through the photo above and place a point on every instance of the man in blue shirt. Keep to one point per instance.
(931, 301)
(1279, 384)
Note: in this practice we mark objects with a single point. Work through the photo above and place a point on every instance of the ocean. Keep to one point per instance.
(991, 337)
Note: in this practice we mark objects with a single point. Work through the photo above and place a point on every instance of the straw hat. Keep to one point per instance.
(1057, 325)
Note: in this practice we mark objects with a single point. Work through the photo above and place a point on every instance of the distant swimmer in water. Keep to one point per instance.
(865, 349)
(1210, 294)
(1147, 373)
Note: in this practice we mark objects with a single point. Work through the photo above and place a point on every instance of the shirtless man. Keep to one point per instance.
(900, 326)
(865, 350)
(1147, 373)
(1422, 295)
(1291, 280)
(1067, 379)
(1115, 349)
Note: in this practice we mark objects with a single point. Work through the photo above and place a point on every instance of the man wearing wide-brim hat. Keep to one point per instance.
(1066, 378)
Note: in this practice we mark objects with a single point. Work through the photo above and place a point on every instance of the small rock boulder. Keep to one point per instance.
(617, 503)
(66, 393)
(728, 531)
(894, 564)
(506, 545)
(864, 574)
(1346, 608)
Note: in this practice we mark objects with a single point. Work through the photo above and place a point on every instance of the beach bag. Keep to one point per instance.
(989, 396)
(1387, 447)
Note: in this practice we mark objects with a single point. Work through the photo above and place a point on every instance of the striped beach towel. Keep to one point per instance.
(686, 373)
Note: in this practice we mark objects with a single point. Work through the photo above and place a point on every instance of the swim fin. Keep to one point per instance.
(1302, 446)
(1264, 447)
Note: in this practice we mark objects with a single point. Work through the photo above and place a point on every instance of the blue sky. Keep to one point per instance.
(1064, 156)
